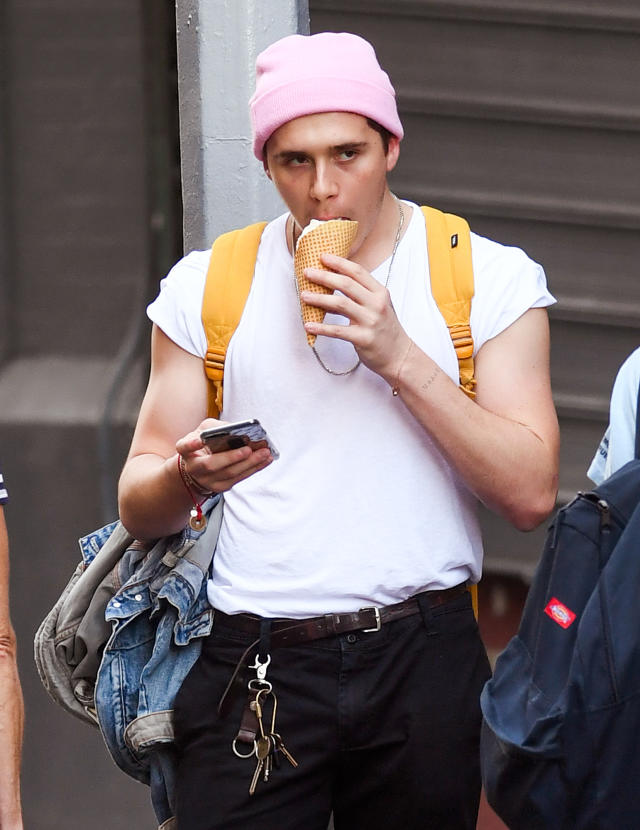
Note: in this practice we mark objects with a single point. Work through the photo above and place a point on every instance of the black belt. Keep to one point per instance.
(285, 632)
(290, 631)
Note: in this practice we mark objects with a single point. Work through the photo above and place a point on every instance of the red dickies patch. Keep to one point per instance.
(559, 612)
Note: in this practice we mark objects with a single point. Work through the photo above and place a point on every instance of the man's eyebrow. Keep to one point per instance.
(285, 155)
(349, 145)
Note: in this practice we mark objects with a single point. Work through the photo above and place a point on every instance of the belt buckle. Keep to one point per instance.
(376, 613)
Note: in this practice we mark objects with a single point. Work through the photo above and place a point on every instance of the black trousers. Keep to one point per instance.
(384, 726)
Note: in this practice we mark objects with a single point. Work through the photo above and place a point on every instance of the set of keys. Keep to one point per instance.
(269, 747)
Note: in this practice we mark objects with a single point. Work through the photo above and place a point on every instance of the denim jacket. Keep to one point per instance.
(159, 616)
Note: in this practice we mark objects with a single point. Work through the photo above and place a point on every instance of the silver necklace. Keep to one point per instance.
(396, 242)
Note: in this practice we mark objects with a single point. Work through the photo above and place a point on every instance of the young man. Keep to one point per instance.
(371, 504)
(11, 706)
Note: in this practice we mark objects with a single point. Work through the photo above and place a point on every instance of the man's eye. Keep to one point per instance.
(346, 155)
(296, 161)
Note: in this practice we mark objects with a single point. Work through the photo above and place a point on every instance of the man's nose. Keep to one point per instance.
(324, 183)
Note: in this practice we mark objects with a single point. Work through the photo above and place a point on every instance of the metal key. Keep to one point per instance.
(268, 761)
(278, 746)
(256, 776)
(279, 743)
(275, 754)
(263, 749)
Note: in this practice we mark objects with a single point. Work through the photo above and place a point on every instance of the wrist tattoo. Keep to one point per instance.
(425, 386)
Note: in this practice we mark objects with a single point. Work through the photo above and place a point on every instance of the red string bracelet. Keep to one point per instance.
(197, 519)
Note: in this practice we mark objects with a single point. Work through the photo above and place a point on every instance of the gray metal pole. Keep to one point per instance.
(223, 185)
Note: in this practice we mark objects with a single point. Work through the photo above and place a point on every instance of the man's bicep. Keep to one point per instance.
(512, 372)
(175, 401)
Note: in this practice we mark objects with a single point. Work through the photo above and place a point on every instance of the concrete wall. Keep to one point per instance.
(223, 185)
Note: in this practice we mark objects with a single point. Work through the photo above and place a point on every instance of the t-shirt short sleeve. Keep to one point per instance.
(177, 309)
(4, 496)
(507, 283)
(617, 446)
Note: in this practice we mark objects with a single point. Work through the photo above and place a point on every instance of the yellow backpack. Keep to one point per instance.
(230, 273)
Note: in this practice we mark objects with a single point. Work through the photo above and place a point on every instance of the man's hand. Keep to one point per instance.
(373, 328)
(217, 472)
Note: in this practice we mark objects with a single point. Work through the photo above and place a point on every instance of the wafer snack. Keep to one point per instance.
(332, 237)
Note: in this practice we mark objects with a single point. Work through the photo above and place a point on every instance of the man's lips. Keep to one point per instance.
(328, 218)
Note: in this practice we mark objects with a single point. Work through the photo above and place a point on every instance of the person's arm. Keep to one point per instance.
(623, 413)
(153, 500)
(11, 703)
(618, 444)
(505, 444)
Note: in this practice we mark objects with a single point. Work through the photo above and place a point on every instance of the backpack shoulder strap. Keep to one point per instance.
(451, 269)
(229, 277)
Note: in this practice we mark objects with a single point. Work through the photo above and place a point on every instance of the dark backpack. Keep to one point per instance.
(560, 737)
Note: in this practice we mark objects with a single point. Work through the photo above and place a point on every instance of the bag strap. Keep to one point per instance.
(229, 277)
(452, 286)
(451, 269)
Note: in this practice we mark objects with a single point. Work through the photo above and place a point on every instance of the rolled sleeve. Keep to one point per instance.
(177, 309)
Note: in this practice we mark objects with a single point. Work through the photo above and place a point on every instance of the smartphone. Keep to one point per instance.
(236, 435)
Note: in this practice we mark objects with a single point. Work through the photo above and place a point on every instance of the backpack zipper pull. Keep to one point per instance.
(605, 514)
(602, 505)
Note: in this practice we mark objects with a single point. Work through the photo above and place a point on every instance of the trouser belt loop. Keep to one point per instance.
(426, 612)
(264, 646)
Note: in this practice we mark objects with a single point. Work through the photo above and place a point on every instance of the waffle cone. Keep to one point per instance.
(333, 237)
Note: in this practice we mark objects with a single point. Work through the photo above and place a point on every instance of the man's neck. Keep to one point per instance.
(387, 231)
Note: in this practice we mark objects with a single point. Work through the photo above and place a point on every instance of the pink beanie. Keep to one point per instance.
(328, 72)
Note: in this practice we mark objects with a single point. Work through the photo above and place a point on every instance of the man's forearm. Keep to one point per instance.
(11, 727)
(153, 500)
(508, 466)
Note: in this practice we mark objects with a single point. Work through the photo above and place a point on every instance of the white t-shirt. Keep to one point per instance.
(361, 508)
(618, 443)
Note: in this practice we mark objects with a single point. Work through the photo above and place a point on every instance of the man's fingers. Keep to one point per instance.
(192, 442)
(340, 265)
(219, 471)
(343, 286)
(226, 484)
(335, 303)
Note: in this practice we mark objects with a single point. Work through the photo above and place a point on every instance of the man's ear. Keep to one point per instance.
(393, 152)
(266, 167)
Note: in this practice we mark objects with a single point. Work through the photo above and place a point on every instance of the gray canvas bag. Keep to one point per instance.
(69, 642)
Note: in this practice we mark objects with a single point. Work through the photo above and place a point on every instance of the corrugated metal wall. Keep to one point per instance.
(524, 116)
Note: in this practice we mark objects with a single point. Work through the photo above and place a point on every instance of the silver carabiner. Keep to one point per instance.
(261, 668)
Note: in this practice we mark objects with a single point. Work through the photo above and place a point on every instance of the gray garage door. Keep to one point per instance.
(525, 118)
